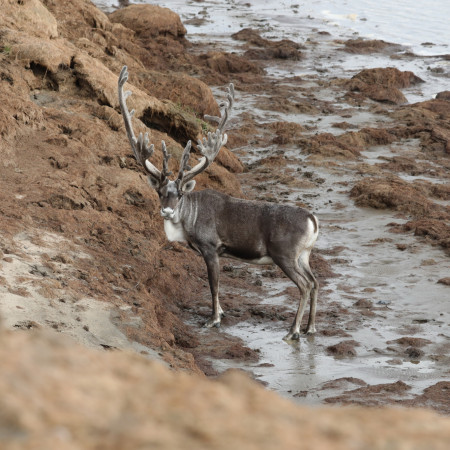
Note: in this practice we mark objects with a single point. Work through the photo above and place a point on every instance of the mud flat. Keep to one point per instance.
(339, 124)
(81, 254)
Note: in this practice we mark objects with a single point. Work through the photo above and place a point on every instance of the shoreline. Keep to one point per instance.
(349, 22)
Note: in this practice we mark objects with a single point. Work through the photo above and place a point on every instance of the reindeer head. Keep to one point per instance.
(169, 191)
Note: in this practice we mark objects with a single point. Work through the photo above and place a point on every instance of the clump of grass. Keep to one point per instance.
(185, 109)
(204, 125)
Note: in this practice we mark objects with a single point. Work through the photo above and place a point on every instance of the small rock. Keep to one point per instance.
(445, 281)
(363, 303)
(301, 394)
(445, 95)
(384, 302)
(414, 352)
(27, 325)
(344, 348)
(395, 361)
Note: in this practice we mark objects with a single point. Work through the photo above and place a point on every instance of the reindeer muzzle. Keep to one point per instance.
(167, 213)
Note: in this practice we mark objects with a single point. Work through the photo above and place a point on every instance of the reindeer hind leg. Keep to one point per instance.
(301, 279)
(311, 327)
(303, 261)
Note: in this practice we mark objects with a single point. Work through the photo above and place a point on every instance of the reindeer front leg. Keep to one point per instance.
(212, 264)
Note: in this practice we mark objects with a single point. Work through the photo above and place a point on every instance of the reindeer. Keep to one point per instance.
(215, 224)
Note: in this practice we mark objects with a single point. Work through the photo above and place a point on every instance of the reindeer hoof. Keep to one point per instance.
(292, 336)
(310, 331)
(212, 323)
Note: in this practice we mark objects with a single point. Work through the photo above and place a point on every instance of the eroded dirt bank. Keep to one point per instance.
(54, 394)
(79, 222)
(83, 246)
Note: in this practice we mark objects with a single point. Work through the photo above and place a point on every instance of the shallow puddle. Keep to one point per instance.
(403, 291)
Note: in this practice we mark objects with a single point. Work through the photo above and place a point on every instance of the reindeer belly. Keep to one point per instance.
(246, 255)
(262, 261)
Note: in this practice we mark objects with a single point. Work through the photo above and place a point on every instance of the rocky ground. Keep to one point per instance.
(81, 243)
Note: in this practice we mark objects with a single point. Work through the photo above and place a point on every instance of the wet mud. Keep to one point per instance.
(350, 130)
(366, 151)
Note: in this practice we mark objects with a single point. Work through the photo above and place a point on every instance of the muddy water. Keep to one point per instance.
(420, 30)
(403, 290)
(401, 285)
(396, 274)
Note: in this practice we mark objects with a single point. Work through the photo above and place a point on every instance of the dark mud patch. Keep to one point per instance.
(375, 395)
(343, 383)
(382, 85)
(436, 397)
(410, 341)
(445, 281)
(394, 193)
(267, 49)
(409, 347)
(367, 46)
(343, 349)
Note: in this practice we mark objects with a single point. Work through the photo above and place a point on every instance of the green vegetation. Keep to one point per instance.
(205, 127)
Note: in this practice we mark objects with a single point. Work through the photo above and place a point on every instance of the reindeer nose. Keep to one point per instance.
(167, 213)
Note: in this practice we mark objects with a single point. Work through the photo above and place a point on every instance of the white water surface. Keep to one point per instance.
(402, 22)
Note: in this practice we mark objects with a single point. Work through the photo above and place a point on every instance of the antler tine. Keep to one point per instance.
(184, 162)
(225, 107)
(166, 156)
(209, 148)
(143, 149)
(140, 146)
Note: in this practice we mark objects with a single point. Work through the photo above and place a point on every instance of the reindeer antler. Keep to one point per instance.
(209, 147)
(166, 156)
(140, 146)
(225, 108)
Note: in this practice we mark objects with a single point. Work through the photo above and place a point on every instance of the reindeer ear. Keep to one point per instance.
(153, 182)
(189, 186)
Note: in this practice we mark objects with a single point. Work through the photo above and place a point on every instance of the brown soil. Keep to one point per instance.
(382, 85)
(66, 396)
(363, 46)
(149, 21)
(82, 183)
(267, 49)
(428, 218)
(80, 226)
(377, 396)
(343, 349)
